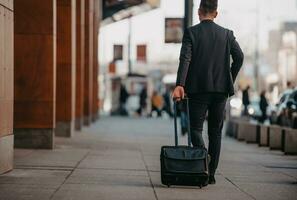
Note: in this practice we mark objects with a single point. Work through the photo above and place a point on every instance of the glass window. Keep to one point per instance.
(117, 52)
(141, 53)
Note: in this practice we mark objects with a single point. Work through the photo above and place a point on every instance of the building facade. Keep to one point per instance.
(282, 55)
(155, 38)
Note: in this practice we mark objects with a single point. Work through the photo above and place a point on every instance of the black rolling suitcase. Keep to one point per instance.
(184, 165)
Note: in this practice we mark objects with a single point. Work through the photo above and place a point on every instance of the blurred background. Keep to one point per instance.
(139, 48)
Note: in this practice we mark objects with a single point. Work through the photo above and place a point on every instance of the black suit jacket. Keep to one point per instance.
(205, 59)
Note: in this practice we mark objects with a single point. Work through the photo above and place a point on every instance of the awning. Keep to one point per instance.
(115, 10)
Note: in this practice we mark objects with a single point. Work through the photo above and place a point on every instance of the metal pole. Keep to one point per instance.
(188, 19)
(256, 72)
(129, 45)
(287, 69)
(256, 64)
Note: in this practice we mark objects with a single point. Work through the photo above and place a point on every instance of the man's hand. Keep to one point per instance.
(178, 93)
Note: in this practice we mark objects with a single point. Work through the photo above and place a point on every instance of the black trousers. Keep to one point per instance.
(199, 104)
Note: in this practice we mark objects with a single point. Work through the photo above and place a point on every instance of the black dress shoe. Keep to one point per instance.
(211, 180)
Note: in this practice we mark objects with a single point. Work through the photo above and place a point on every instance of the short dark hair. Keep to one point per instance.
(208, 6)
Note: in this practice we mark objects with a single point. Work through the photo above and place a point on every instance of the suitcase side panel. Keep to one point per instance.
(186, 179)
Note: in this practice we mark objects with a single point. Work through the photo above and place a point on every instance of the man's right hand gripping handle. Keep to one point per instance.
(178, 93)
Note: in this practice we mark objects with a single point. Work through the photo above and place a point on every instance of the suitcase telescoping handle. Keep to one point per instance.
(188, 121)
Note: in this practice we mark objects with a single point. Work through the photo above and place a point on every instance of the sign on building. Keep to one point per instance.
(173, 30)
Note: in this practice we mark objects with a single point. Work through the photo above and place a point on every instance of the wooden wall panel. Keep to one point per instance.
(88, 87)
(80, 29)
(38, 20)
(35, 72)
(91, 50)
(34, 81)
(65, 66)
(95, 59)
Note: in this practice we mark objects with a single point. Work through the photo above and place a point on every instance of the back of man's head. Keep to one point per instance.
(208, 6)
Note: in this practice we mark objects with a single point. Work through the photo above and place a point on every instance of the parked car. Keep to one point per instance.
(254, 108)
(285, 112)
(292, 109)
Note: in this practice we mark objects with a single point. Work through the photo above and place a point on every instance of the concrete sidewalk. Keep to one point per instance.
(118, 158)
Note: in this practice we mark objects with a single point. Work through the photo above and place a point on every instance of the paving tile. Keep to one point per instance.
(34, 178)
(289, 172)
(264, 177)
(222, 190)
(152, 162)
(104, 192)
(109, 177)
(273, 191)
(24, 192)
(125, 160)
(57, 157)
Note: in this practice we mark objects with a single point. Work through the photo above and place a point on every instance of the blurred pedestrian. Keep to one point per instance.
(157, 103)
(123, 99)
(246, 100)
(204, 73)
(142, 100)
(167, 102)
(290, 86)
(263, 106)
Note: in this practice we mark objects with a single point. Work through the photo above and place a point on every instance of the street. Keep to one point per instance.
(118, 158)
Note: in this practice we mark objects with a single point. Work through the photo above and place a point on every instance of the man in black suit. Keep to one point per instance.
(207, 78)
